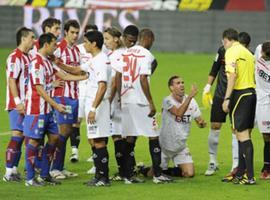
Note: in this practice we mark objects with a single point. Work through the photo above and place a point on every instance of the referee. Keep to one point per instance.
(240, 101)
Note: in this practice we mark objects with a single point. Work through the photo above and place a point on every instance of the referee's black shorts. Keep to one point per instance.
(242, 109)
(217, 113)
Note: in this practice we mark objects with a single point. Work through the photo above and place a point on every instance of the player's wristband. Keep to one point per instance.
(17, 100)
(228, 98)
(92, 109)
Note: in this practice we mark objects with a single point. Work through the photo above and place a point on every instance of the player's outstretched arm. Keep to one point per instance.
(146, 91)
(69, 69)
(70, 77)
(180, 111)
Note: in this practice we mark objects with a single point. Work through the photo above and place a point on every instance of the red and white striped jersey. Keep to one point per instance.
(69, 56)
(17, 68)
(41, 72)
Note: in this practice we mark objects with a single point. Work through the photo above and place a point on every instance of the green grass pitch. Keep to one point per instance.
(193, 68)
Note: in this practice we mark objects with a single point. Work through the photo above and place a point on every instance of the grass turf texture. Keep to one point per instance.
(193, 68)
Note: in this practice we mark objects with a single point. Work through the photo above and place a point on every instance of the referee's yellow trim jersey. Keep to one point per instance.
(239, 60)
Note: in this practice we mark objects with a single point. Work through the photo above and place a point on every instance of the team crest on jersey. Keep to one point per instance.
(37, 72)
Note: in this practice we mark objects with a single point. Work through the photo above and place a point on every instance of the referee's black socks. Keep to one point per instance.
(247, 148)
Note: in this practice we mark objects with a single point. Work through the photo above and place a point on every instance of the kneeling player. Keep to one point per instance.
(178, 110)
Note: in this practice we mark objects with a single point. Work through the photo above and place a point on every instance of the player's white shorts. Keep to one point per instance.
(263, 117)
(178, 158)
(135, 121)
(116, 125)
(102, 126)
(82, 107)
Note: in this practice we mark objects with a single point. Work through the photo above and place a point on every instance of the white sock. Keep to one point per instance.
(14, 170)
(74, 150)
(234, 152)
(213, 144)
(8, 171)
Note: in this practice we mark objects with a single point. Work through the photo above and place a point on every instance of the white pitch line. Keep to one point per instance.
(5, 133)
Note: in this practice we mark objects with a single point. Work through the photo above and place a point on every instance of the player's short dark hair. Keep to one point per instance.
(71, 23)
(244, 38)
(49, 22)
(95, 36)
(170, 82)
(266, 50)
(230, 34)
(46, 38)
(90, 27)
(22, 32)
(146, 32)
(131, 30)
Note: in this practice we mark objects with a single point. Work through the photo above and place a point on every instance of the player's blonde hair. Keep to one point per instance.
(114, 32)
